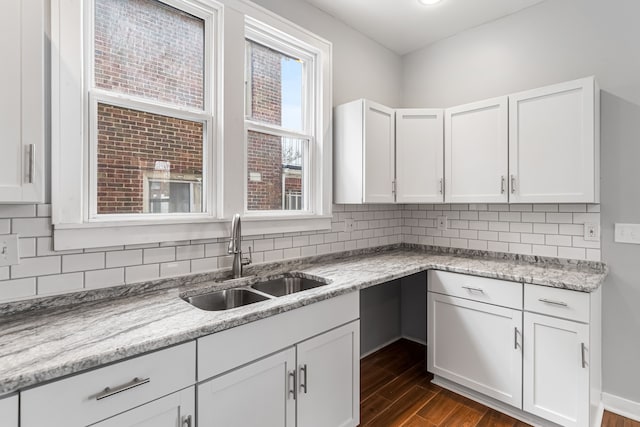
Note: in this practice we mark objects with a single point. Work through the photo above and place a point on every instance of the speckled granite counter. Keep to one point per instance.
(50, 338)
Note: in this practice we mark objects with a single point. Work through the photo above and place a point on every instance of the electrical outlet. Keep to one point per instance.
(591, 231)
(9, 250)
(442, 223)
(349, 225)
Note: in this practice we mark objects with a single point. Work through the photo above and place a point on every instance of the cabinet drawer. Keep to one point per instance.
(572, 305)
(83, 399)
(491, 291)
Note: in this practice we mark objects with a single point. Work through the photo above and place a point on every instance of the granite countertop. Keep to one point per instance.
(48, 339)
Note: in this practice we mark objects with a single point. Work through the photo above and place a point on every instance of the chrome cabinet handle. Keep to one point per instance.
(515, 338)
(550, 301)
(513, 184)
(186, 421)
(502, 182)
(584, 359)
(393, 187)
(441, 185)
(469, 288)
(292, 390)
(303, 381)
(108, 391)
(32, 161)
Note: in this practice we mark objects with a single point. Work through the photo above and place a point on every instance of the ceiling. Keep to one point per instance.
(406, 25)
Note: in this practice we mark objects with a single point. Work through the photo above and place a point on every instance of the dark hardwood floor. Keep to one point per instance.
(396, 390)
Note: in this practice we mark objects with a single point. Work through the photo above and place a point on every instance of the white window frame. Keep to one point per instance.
(285, 44)
(70, 126)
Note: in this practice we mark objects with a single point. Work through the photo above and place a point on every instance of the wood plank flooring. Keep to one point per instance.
(396, 390)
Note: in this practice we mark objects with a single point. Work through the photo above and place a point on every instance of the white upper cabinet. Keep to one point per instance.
(364, 153)
(22, 102)
(554, 143)
(476, 155)
(419, 156)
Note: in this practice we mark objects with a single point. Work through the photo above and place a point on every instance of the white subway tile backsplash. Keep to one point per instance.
(189, 252)
(140, 273)
(538, 229)
(31, 227)
(156, 255)
(17, 289)
(31, 267)
(27, 247)
(177, 268)
(17, 211)
(83, 262)
(124, 258)
(60, 283)
(103, 278)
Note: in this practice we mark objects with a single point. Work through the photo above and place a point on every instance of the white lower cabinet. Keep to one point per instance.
(174, 410)
(329, 378)
(144, 383)
(259, 394)
(314, 383)
(9, 411)
(477, 345)
(535, 348)
(556, 371)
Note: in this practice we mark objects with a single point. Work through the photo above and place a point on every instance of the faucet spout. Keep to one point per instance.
(235, 248)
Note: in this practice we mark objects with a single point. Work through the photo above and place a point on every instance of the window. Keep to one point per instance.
(279, 111)
(150, 109)
(157, 133)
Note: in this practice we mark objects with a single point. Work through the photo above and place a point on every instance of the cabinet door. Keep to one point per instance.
(476, 345)
(174, 410)
(9, 411)
(419, 156)
(259, 394)
(379, 153)
(476, 155)
(329, 378)
(22, 101)
(556, 369)
(553, 143)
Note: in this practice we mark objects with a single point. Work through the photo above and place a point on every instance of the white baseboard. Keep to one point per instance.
(418, 340)
(621, 406)
(379, 347)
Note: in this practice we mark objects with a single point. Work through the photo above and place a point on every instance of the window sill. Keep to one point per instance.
(98, 235)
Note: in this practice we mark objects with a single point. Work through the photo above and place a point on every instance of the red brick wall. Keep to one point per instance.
(264, 152)
(129, 144)
(148, 49)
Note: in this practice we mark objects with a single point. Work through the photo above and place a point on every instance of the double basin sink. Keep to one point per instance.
(237, 297)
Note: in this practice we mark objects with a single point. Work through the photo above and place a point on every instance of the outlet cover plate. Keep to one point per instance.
(441, 223)
(349, 225)
(591, 231)
(9, 250)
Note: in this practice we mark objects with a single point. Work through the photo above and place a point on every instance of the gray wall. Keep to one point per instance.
(361, 67)
(379, 316)
(555, 41)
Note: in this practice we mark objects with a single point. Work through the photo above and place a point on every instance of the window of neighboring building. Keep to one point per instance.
(279, 110)
(150, 109)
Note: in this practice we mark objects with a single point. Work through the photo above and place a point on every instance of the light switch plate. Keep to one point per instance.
(627, 233)
(9, 250)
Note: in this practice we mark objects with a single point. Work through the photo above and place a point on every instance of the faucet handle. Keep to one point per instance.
(247, 261)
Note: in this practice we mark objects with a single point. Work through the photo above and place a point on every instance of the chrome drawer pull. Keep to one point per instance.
(549, 301)
(293, 392)
(108, 391)
(303, 381)
(469, 288)
(584, 359)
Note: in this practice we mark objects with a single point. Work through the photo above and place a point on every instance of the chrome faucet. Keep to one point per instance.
(235, 248)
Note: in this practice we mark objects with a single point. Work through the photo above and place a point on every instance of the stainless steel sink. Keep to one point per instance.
(286, 285)
(225, 299)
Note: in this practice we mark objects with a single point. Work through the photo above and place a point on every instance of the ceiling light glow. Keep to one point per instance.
(428, 2)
